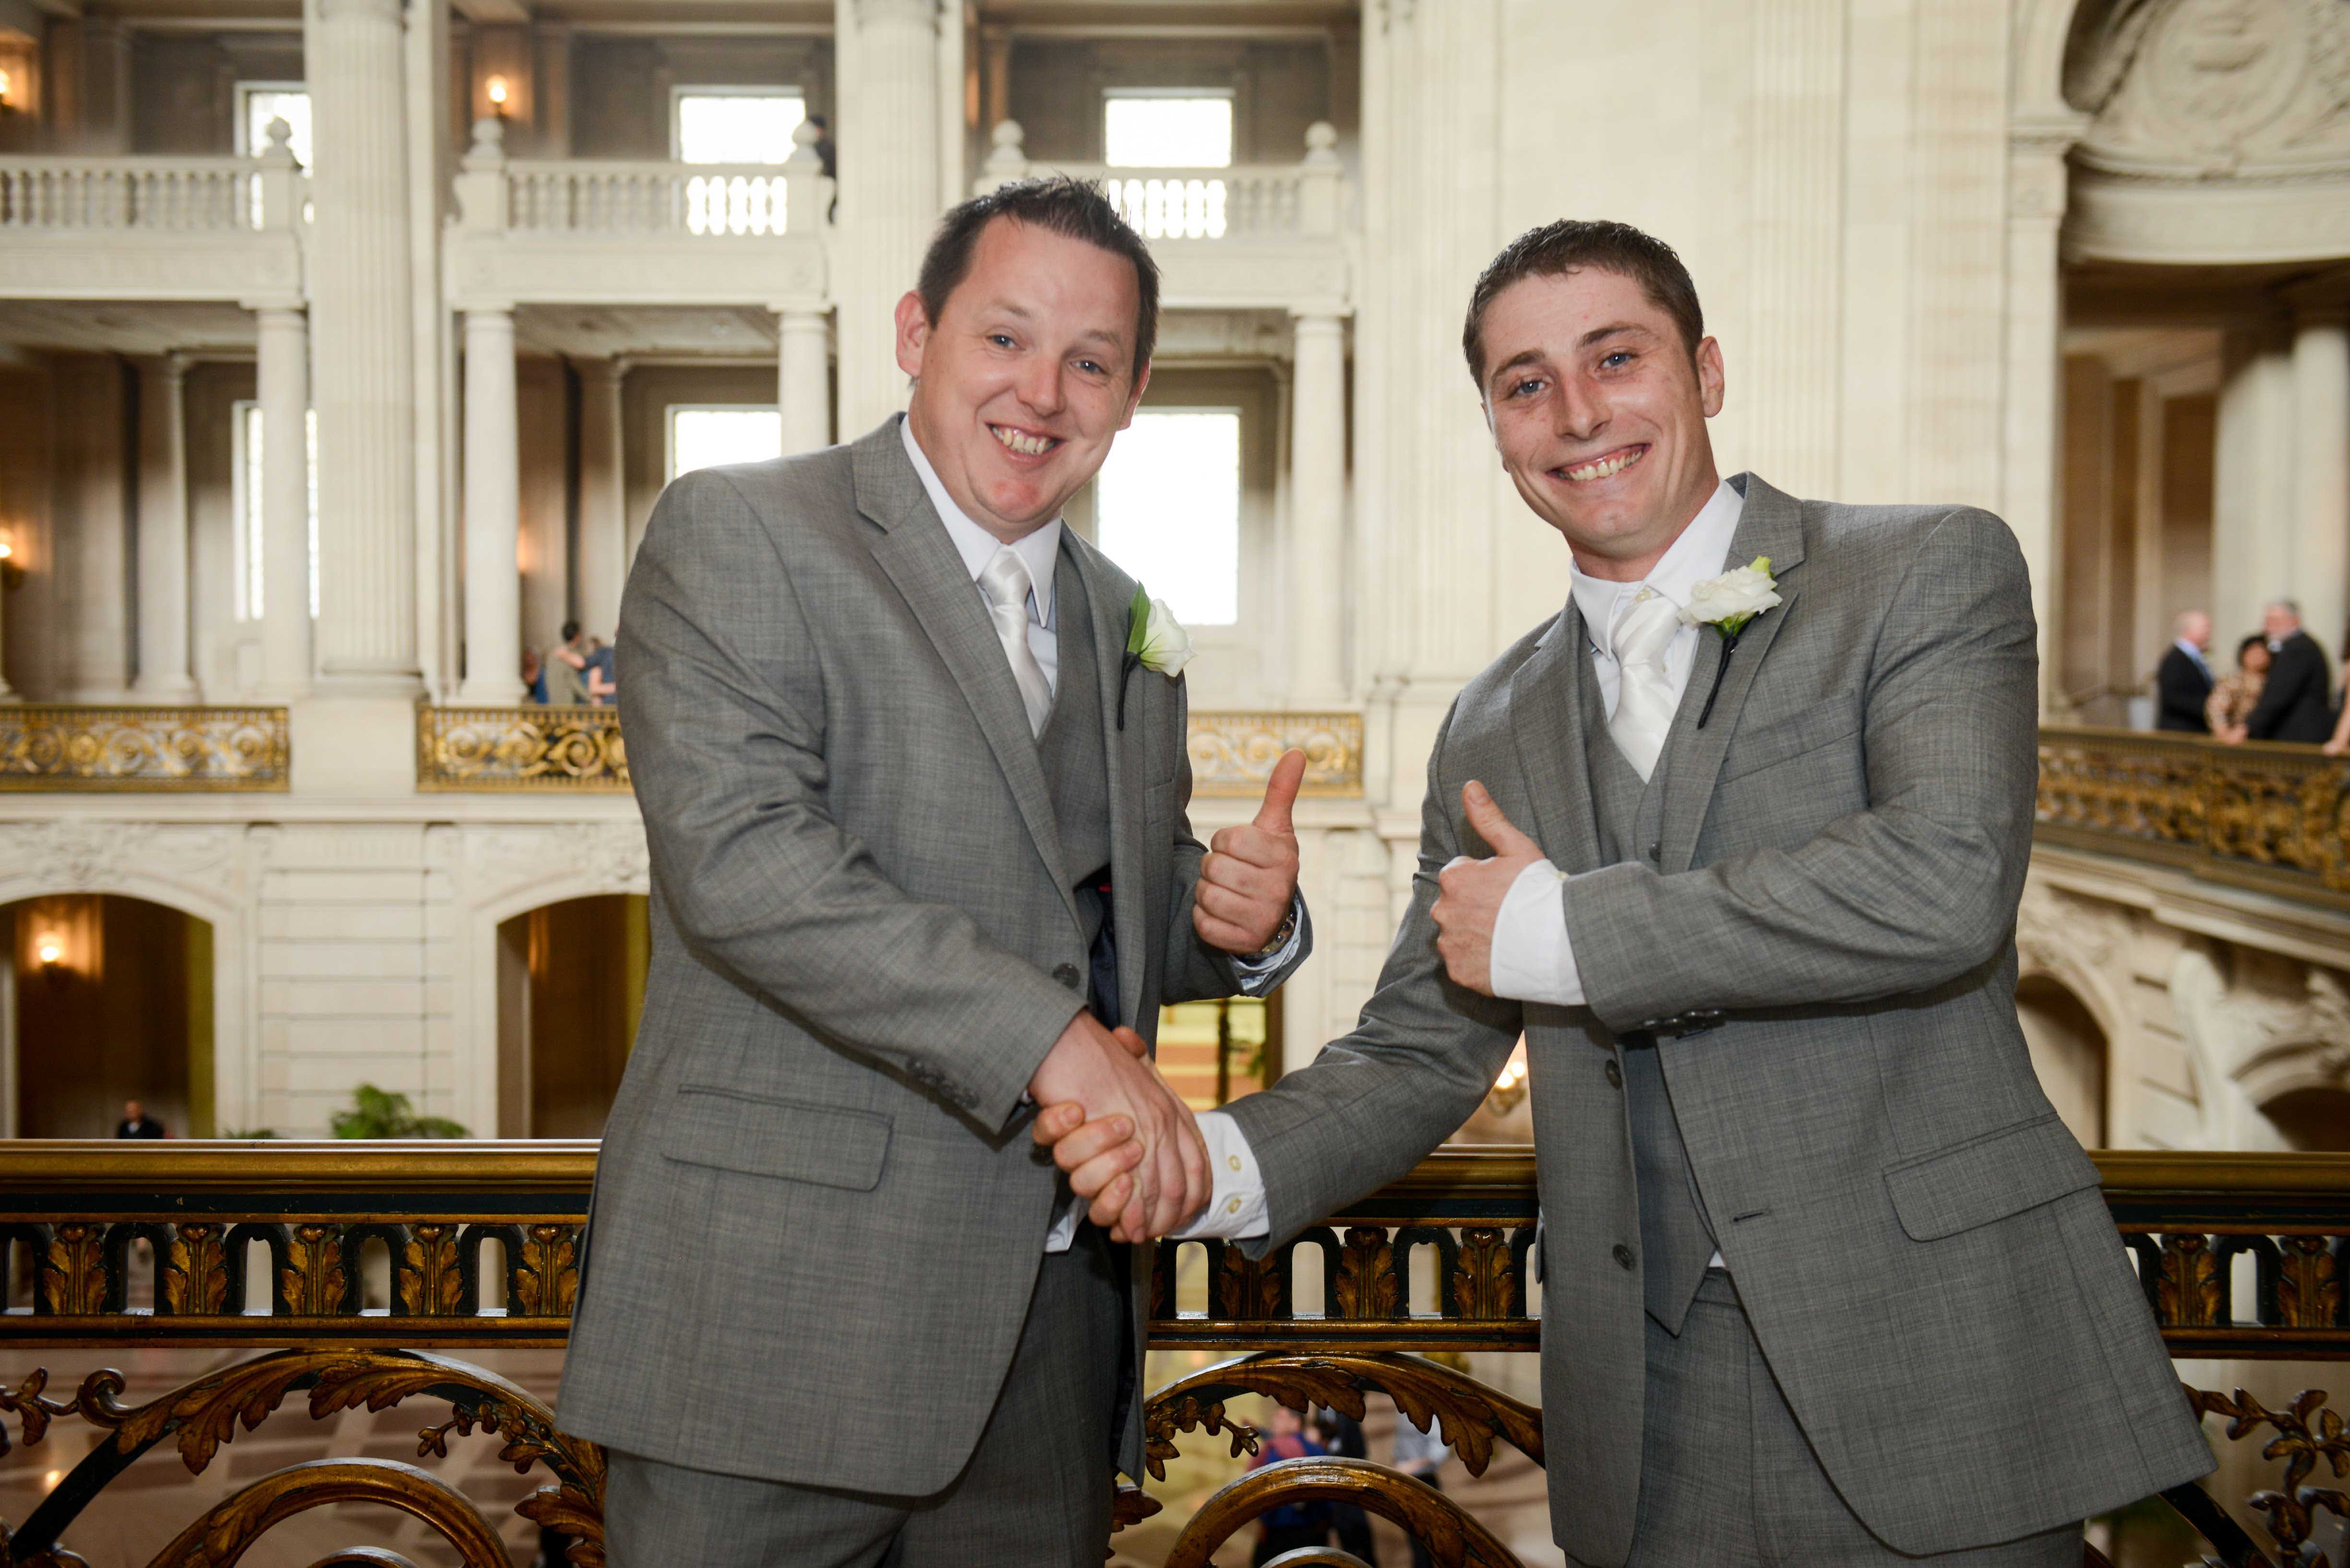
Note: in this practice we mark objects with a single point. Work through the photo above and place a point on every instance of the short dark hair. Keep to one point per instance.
(2245, 647)
(570, 629)
(1070, 208)
(1572, 244)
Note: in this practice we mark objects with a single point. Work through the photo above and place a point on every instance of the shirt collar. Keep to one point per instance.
(2189, 648)
(1039, 552)
(1702, 552)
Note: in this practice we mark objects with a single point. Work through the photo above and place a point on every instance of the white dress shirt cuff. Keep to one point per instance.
(1255, 972)
(1531, 960)
(1235, 1209)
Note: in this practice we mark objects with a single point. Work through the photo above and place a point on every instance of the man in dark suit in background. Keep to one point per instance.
(136, 1123)
(2182, 682)
(2297, 703)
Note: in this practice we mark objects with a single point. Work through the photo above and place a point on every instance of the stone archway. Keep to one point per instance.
(571, 989)
(2069, 1051)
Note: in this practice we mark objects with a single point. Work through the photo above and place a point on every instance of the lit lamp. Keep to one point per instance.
(51, 952)
(12, 571)
(498, 97)
(1510, 1088)
(5, 83)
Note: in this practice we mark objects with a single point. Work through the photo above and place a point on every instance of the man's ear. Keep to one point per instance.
(913, 332)
(1710, 381)
(1141, 385)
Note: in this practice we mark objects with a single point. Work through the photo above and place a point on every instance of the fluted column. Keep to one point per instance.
(493, 512)
(2320, 404)
(360, 296)
(889, 196)
(283, 373)
(603, 560)
(163, 564)
(1317, 494)
(802, 388)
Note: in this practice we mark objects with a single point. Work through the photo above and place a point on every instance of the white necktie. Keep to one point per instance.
(1644, 692)
(1005, 582)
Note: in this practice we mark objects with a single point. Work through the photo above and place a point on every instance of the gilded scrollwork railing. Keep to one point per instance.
(358, 1268)
(577, 750)
(69, 747)
(2272, 816)
(566, 750)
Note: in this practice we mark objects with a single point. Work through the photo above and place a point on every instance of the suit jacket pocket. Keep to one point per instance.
(1785, 738)
(2016, 1168)
(727, 1129)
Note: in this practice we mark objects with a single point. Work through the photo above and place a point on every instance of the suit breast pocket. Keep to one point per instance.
(1798, 734)
(756, 1134)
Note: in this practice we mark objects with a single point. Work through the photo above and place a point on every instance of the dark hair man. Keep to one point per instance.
(1735, 842)
(919, 848)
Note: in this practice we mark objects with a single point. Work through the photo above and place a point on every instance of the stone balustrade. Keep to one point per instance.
(70, 748)
(1239, 202)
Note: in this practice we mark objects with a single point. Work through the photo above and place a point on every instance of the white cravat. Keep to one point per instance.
(1005, 582)
(1646, 701)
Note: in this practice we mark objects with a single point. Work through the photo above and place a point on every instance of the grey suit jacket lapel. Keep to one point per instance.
(913, 549)
(1547, 696)
(1127, 831)
(1771, 524)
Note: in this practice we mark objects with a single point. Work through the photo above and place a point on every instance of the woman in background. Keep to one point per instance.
(2239, 692)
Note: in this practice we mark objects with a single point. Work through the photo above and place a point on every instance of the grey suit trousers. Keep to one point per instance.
(1728, 1479)
(1036, 1492)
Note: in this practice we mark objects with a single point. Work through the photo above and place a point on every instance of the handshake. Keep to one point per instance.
(1126, 1138)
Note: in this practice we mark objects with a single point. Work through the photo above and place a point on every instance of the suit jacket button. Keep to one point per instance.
(1615, 1076)
(1623, 1256)
(1068, 975)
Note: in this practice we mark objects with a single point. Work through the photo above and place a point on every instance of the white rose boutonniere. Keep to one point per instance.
(1728, 603)
(1155, 640)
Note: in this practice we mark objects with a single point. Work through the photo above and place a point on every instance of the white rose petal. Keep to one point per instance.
(1741, 591)
(1166, 646)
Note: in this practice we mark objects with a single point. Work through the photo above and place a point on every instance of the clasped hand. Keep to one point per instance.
(1128, 1143)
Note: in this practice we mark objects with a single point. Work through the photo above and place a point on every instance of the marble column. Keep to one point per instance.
(163, 560)
(282, 371)
(2252, 510)
(802, 383)
(2030, 430)
(1317, 491)
(2321, 446)
(493, 512)
(889, 196)
(603, 561)
(359, 266)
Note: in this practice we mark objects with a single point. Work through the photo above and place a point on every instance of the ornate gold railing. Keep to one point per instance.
(69, 747)
(580, 749)
(350, 1325)
(2271, 817)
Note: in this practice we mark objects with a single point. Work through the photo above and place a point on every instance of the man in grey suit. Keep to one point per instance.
(1825, 1280)
(919, 848)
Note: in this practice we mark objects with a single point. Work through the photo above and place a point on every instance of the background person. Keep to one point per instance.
(2297, 700)
(1295, 1524)
(2182, 681)
(136, 1123)
(2238, 691)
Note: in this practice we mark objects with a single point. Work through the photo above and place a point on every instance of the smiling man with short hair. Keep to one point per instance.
(1735, 842)
(920, 861)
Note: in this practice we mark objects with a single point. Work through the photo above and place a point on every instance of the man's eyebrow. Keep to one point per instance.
(1598, 334)
(1523, 356)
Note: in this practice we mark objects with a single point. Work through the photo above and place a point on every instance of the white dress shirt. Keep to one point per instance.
(1532, 960)
(1040, 553)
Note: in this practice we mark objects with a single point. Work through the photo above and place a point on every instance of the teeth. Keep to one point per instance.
(1026, 446)
(1606, 467)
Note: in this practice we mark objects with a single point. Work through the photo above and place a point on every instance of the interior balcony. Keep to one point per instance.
(147, 228)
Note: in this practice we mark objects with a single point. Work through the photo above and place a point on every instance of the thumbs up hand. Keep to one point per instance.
(1470, 891)
(1250, 873)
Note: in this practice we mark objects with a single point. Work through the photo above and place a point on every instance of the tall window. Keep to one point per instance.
(1166, 507)
(258, 103)
(734, 125)
(251, 552)
(1183, 129)
(709, 435)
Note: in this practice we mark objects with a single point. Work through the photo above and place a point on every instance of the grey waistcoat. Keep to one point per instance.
(1676, 1243)
(1075, 755)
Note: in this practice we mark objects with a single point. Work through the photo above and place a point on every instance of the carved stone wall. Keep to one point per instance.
(2213, 1002)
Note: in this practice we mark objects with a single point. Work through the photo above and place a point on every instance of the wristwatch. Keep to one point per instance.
(1281, 936)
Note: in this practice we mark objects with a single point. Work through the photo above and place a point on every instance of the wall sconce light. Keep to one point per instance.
(51, 952)
(12, 571)
(498, 97)
(5, 84)
(1510, 1089)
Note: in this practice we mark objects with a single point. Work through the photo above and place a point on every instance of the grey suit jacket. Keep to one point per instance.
(1822, 944)
(819, 1214)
